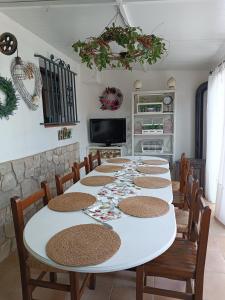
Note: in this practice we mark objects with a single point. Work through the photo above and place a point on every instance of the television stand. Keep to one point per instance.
(107, 151)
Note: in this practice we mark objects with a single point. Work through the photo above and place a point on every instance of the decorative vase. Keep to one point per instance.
(137, 85)
(171, 83)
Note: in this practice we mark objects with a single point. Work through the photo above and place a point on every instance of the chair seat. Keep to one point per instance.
(178, 199)
(178, 262)
(175, 185)
(35, 264)
(182, 217)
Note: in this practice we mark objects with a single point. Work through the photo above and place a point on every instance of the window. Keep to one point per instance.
(58, 92)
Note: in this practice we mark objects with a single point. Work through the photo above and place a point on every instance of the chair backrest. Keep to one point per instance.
(61, 180)
(77, 166)
(191, 198)
(93, 158)
(184, 172)
(18, 206)
(200, 231)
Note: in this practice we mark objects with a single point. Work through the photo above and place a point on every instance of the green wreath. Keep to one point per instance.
(11, 102)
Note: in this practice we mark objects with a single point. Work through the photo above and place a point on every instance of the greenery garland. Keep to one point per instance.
(138, 48)
(11, 101)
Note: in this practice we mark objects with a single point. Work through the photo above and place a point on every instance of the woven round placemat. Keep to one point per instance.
(108, 168)
(155, 162)
(97, 180)
(118, 160)
(152, 170)
(151, 182)
(144, 206)
(83, 245)
(71, 202)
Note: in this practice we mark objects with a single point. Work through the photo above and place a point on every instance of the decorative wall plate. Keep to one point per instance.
(31, 100)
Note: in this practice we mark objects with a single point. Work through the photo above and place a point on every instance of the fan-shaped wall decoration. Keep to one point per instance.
(111, 99)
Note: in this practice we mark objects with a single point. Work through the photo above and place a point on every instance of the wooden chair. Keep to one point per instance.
(77, 166)
(61, 180)
(184, 216)
(180, 185)
(179, 196)
(29, 263)
(184, 260)
(93, 158)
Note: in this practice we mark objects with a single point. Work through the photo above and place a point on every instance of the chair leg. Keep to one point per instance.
(26, 288)
(74, 286)
(92, 282)
(53, 277)
(139, 282)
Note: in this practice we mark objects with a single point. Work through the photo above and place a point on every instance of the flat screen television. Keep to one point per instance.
(108, 131)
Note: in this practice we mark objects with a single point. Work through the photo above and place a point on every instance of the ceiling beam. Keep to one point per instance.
(123, 11)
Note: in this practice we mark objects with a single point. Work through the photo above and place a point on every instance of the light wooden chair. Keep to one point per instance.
(93, 158)
(29, 263)
(62, 180)
(184, 260)
(78, 166)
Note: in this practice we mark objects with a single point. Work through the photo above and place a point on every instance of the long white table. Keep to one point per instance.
(142, 239)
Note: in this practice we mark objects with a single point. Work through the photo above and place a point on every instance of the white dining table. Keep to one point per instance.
(142, 239)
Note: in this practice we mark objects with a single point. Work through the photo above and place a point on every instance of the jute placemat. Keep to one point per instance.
(151, 182)
(108, 168)
(155, 162)
(152, 170)
(118, 160)
(83, 245)
(97, 180)
(144, 206)
(71, 202)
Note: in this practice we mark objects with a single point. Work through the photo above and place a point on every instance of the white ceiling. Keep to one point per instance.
(194, 29)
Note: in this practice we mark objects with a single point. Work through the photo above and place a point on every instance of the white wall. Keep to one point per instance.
(22, 135)
(187, 83)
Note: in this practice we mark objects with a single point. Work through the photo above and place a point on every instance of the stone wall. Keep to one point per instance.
(22, 177)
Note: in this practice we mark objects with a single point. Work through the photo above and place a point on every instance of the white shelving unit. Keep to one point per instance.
(153, 127)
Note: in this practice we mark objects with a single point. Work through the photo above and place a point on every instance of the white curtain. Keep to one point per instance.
(215, 148)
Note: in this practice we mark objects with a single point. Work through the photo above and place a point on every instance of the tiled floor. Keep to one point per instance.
(121, 285)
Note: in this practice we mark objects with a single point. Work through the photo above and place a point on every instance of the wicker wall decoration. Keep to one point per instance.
(31, 71)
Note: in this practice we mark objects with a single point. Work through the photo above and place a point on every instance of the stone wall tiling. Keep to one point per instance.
(22, 177)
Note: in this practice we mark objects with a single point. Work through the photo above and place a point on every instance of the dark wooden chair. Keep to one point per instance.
(29, 263)
(94, 160)
(78, 166)
(179, 185)
(184, 260)
(179, 196)
(61, 180)
(184, 216)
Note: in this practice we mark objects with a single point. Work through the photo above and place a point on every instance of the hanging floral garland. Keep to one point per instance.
(32, 71)
(111, 99)
(136, 48)
(11, 99)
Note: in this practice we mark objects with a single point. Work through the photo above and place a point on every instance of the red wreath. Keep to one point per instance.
(111, 99)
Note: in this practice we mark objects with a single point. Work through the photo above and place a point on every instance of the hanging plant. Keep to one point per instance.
(11, 99)
(111, 99)
(137, 48)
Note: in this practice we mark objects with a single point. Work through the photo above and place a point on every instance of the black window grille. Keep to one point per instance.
(58, 92)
